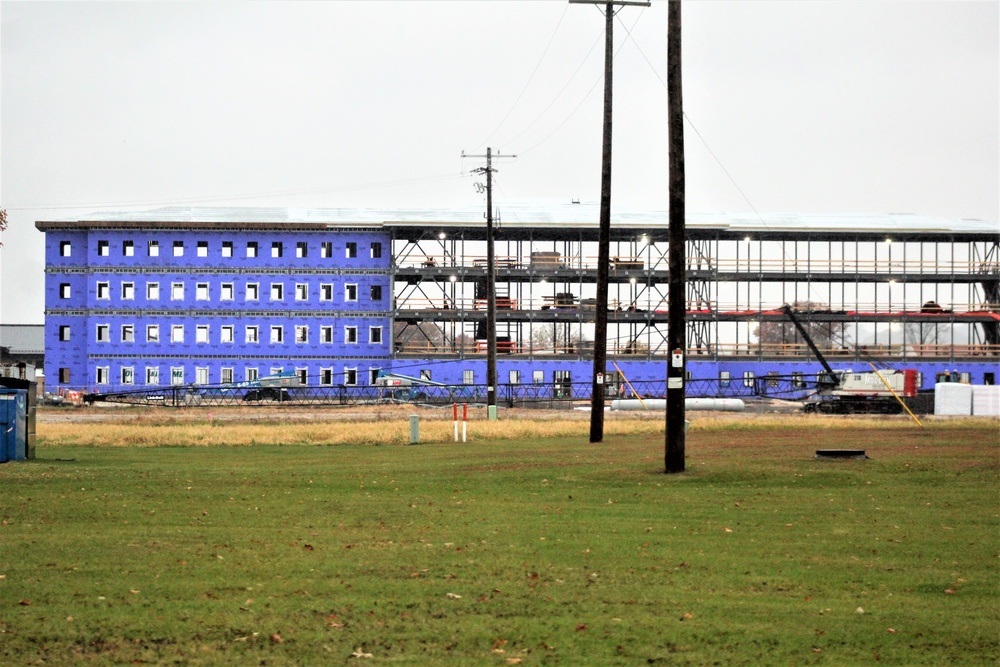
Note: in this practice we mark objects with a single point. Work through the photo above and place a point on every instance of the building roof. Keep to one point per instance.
(23, 338)
(530, 215)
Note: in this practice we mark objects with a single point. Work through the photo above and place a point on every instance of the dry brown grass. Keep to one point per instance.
(390, 426)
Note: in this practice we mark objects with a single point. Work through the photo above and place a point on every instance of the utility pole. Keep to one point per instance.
(491, 295)
(676, 253)
(604, 228)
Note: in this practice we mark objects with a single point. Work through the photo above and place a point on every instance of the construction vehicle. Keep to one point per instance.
(270, 387)
(849, 392)
(407, 389)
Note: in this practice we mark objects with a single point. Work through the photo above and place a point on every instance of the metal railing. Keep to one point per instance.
(695, 263)
(531, 302)
(739, 350)
(535, 395)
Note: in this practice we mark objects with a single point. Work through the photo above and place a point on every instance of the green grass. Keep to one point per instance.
(561, 552)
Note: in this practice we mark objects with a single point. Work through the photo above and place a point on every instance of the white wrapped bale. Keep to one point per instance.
(952, 398)
(986, 400)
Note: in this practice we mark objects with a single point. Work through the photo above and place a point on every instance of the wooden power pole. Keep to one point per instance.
(604, 228)
(676, 252)
(491, 293)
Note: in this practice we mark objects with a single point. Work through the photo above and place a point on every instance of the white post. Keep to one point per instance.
(414, 429)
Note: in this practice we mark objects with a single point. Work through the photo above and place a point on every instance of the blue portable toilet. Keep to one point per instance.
(13, 424)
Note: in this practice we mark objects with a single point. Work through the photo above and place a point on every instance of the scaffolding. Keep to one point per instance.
(907, 294)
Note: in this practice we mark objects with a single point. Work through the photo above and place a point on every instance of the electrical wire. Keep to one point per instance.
(528, 83)
(715, 157)
(693, 127)
(585, 97)
(259, 195)
(561, 91)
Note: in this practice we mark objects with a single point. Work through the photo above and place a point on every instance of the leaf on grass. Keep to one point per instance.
(859, 610)
(453, 596)
(308, 547)
(360, 653)
(581, 628)
(25, 602)
(133, 591)
(728, 530)
(687, 616)
(514, 661)
(949, 591)
(276, 638)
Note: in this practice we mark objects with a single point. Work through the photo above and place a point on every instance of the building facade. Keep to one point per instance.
(221, 296)
(148, 305)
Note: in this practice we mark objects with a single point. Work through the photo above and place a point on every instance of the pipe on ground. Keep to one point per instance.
(660, 404)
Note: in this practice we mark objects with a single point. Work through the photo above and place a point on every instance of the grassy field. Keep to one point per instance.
(512, 549)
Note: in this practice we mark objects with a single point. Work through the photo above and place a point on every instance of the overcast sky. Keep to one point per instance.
(869, 107)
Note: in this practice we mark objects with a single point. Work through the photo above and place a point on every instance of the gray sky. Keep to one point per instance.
(812, 107)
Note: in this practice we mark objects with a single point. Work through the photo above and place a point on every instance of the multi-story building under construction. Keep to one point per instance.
(225, 295)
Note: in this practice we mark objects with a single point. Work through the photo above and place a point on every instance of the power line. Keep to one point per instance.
(580, 104)
(259, 195)
(528, 83)
(701, 138)
(725, 171)
(562, 90)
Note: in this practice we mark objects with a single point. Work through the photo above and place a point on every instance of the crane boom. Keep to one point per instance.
(806, 337)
